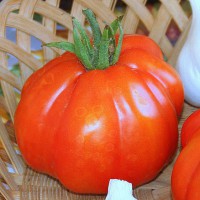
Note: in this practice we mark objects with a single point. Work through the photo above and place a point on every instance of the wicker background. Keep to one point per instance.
(16, 180)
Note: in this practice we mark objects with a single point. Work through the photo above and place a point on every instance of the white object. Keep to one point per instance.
(119, 190)
(188, 64)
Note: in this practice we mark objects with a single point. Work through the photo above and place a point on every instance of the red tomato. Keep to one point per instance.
(186, 171)
(190, 128)
(86, 127)
(140, 59)
(141, 42)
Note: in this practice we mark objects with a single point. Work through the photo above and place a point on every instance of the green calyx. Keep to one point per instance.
(103, 51)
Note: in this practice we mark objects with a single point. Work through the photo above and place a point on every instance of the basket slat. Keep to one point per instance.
(76, 11)
(176, 12)
(21, 54)
(160, 24)
(6, 193)
(7, 176)
(31, 27)
(132, 19)
(10, 78)
(100, 9)
(179, 44)
(15, 159)
(53, 13)
(5, 8)
(141, 11)
(23, 39)
(51, 26)
(26, 183)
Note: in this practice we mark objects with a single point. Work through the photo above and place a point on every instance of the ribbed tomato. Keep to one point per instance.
(85, 127)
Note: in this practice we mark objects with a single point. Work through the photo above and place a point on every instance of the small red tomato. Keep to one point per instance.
(186, 171)
(190, 128)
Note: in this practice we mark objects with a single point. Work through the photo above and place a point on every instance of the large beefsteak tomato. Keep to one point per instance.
(85, 127)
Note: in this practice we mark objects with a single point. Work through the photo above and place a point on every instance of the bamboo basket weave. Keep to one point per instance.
(17, 181)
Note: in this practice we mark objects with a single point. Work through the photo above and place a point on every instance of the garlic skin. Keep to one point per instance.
(188, 63)
(119, 190)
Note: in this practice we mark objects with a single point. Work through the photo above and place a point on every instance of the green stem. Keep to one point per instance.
(84, 36)
(81, 50)
(96, 34)
(119, 46)
(94, 26)
(103, 51)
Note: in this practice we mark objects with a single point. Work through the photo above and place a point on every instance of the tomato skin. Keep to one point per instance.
(186, 172)
(43, 97)
(140, 59)
(113, 116)
(141, 42)
(190, 128)
(82, 126)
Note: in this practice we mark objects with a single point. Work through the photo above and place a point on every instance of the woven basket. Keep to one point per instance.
(17, 181)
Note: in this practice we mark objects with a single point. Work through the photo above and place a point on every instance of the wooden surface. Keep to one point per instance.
(23, 183)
